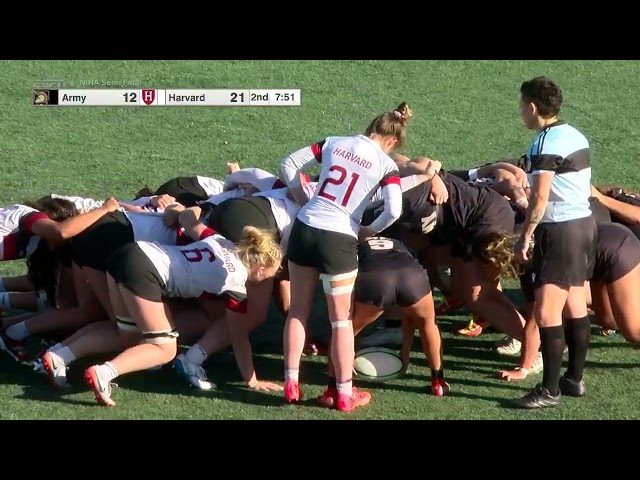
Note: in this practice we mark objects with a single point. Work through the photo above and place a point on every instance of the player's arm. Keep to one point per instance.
(300, 161)
(236, 317)
(189, 219)
(171, 213)
(55, 233)
(392, 198)
(626, 212)
(543, 168)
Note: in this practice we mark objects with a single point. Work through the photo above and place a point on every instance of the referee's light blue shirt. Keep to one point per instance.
(563, 150)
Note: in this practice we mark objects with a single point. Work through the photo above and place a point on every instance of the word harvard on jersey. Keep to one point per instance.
(352, 157)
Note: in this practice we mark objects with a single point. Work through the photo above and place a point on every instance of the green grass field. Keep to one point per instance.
(465, 113)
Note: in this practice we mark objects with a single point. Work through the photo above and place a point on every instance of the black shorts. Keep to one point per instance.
(495, 216)
(402, 287)
(231, 216)
(329, 252)
(618, 253)
(92, 247)
(186, 190)
(565, 252)
(526, 286)
(130, 267)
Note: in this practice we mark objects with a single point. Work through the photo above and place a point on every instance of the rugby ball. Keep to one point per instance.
(377, 364)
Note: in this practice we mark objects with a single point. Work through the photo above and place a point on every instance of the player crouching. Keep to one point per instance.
(389, 275)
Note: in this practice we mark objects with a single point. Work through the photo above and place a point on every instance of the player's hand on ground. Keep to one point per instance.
(111, 205)
(162, 201)
(262, 386)
(512, 375)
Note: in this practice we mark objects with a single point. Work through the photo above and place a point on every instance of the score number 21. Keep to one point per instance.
(342, 176)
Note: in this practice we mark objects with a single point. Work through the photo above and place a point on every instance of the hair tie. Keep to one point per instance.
(397, 114)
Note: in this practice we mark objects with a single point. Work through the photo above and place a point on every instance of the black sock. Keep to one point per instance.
(436, 374)
(392, 323)
(578, 336)
(552, 346)
(331, 381)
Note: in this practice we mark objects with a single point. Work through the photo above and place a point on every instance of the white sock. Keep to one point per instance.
(346, 388)
(291, 375)
(18, 331)
(107, 371)
(55, 348)
(196, 355)
(5, 301)
(66, 355)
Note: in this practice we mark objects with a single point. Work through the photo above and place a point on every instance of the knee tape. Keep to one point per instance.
(126, 325)
(340, 324)
(330, 290)
(160, 336)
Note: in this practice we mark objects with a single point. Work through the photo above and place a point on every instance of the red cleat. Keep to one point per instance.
(329, 398)
(347, 403)
(447, 305)
(439, 388)
(292, 393)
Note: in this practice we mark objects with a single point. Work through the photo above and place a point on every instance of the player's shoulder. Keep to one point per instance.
(562, 139)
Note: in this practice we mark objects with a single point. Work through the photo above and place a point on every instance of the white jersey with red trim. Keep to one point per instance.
(10, 217)
(353, 168)
(208, 267)
(16, 238)
(150, 227)
(285, 210)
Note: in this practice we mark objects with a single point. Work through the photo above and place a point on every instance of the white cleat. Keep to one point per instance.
(101, 387)
(56, 370)
(508, 346)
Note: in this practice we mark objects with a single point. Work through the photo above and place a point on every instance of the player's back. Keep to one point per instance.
(352, 170)
(150, 227)
(208, 266)
(10, 217)
(380, 254)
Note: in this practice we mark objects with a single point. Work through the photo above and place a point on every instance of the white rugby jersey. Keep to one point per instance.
(150, 227)
(353, 168)
(211, 186)
(16, 238)
(84, 205)
(208, 267)
(285, 209)
(260, 179)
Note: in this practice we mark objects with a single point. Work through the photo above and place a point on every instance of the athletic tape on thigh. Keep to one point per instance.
(126, 324)
(160, 336)
(340, 324)
(327, 279)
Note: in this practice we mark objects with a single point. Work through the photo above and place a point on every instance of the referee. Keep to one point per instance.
(560, 225)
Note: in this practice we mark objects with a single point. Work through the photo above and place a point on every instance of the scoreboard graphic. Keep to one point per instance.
(155, 97)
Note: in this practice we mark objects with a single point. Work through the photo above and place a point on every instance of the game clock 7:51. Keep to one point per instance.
(285, 97)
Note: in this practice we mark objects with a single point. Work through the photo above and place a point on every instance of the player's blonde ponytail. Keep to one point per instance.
(392, 124)
(258, 248)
